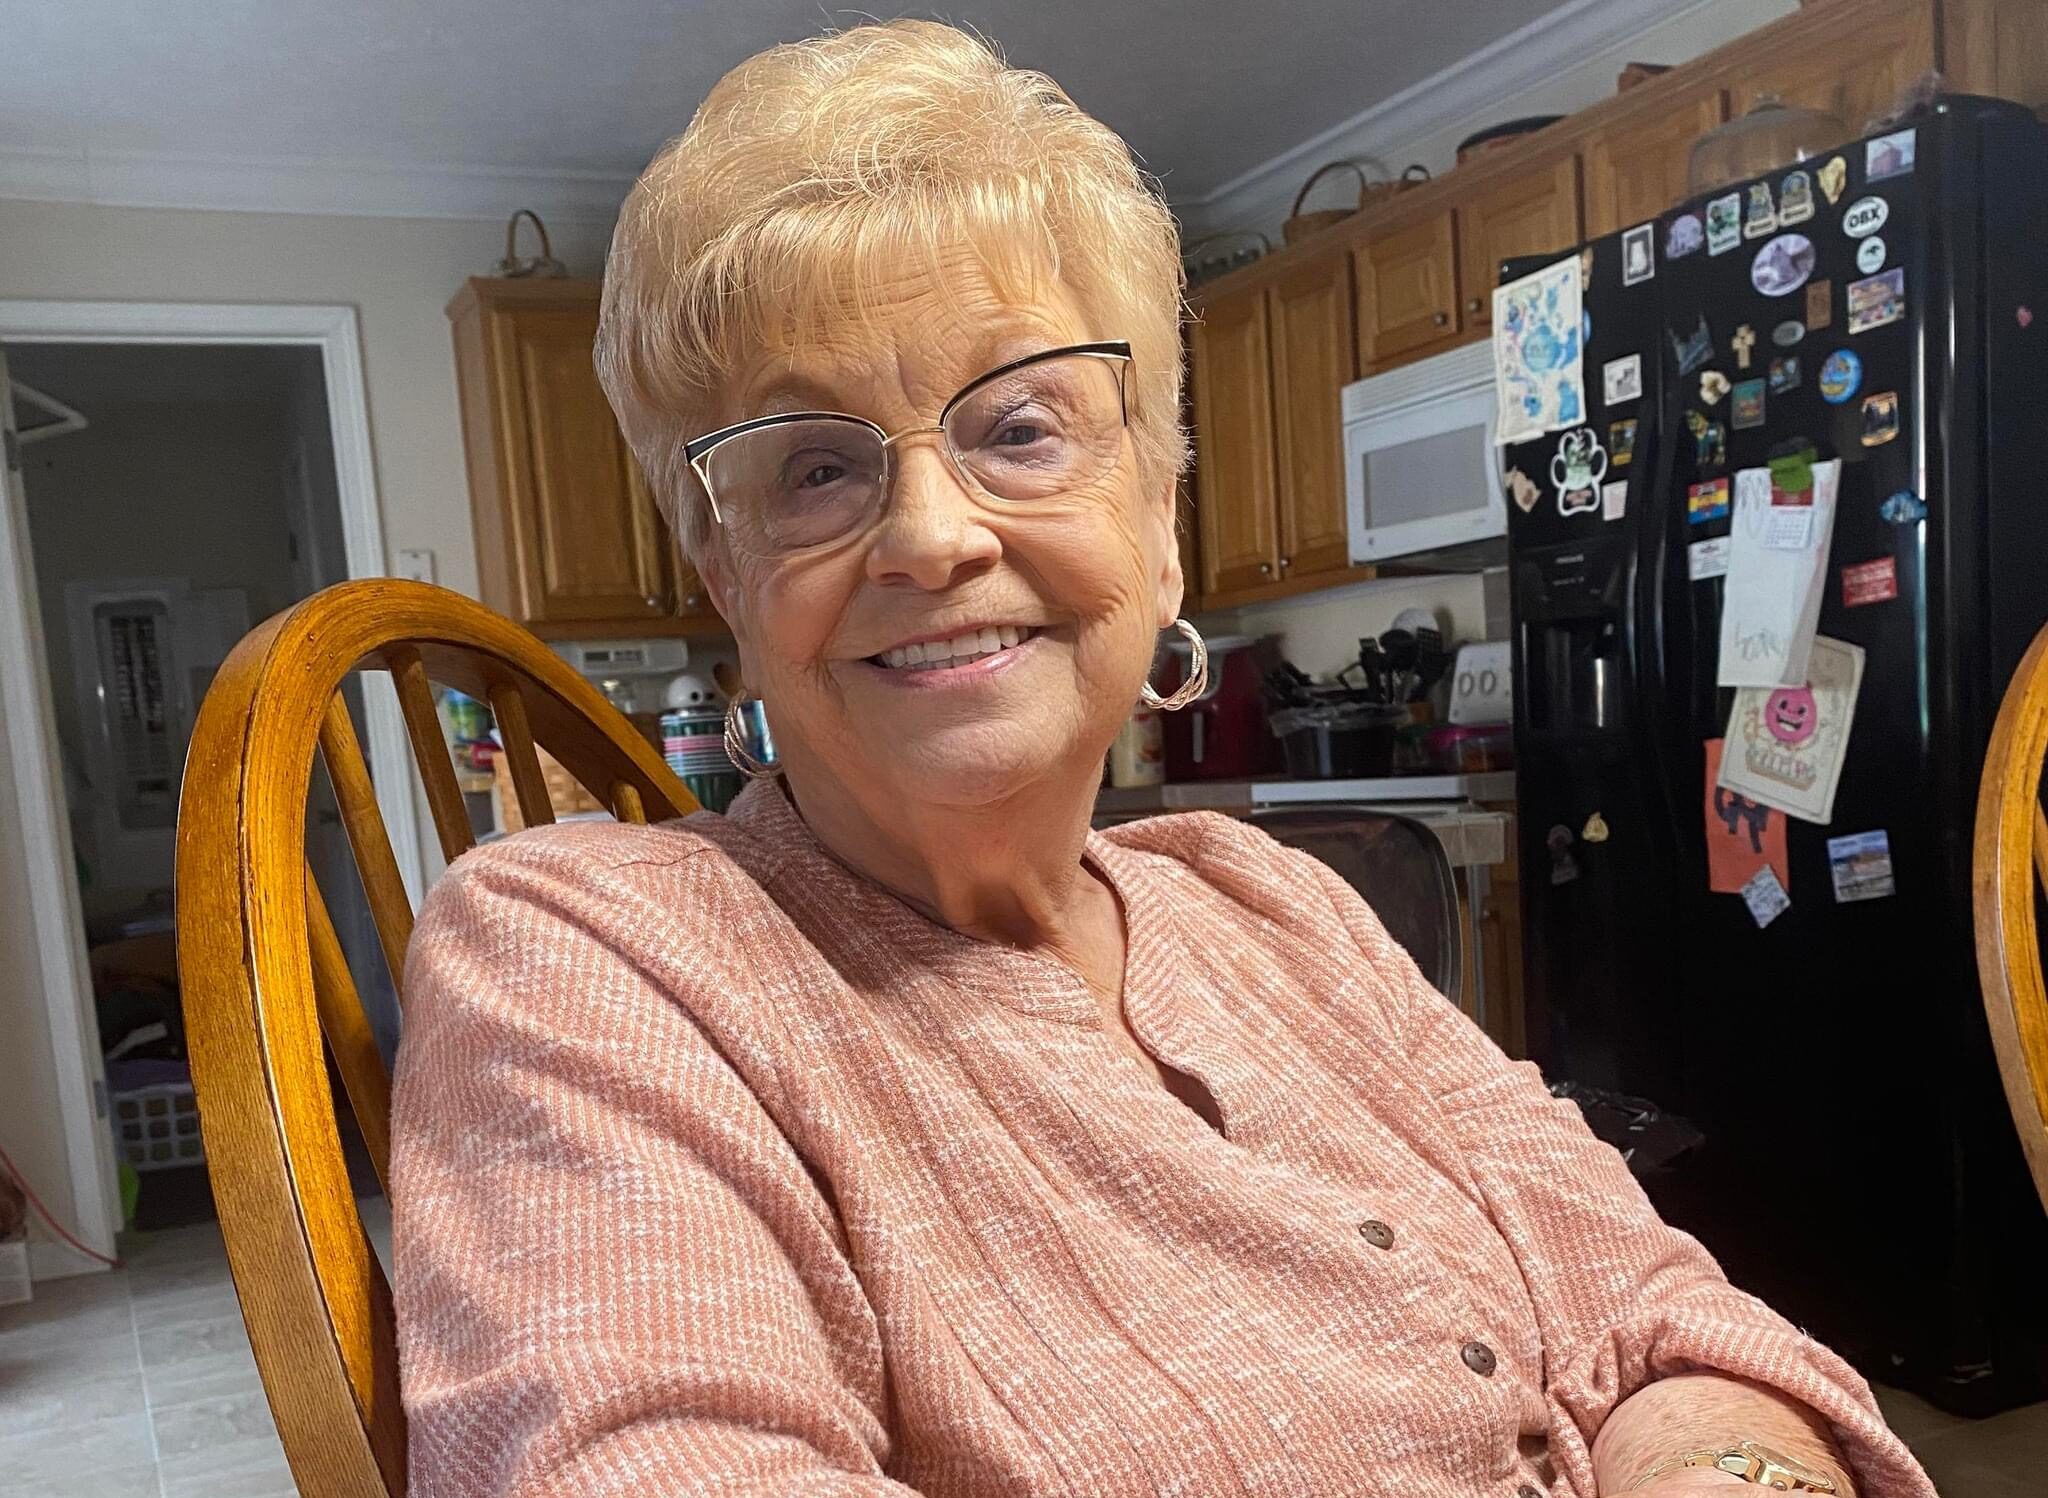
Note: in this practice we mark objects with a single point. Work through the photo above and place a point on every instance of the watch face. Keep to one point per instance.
(1780, 1468)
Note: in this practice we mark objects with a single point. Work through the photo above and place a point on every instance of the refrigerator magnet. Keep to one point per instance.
(1840, 376)
(1621, 442)
(1759, 214)
(1820, 305)
(1638, 254)
(1903, 507)
(1746, 409)
(1870, 254)
(1706, 502)
(1782, 265)
(1621, 380)
(1870, 582)
(1861, 867)
(1742, 342)
(1889, 155)
(1683, 236)
(1563, 867)
(1765, 896)
(1614, 500)
(1795, 199)
(1576, 469)
(1877, 300)
(1784, 374)
(1713, 385)
(1880, 418)
(1833, 178)
(1724, 223)
(1789, 332)
(1595, 830)
(1693, 350)
(1709, 441)
(1707, 559)
(1524, 490)
(1865, 216)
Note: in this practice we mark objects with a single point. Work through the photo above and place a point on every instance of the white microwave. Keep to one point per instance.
(1420, 467)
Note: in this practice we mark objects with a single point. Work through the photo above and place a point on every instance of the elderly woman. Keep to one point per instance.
(895, 1133)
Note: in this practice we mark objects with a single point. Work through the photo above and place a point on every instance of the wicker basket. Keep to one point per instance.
(1300, 225)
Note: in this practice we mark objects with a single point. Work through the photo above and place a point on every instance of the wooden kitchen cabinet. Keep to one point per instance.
(1235, 507)
(1638, 169)
(569, 541)
(1314, 356)
(1855, 71)
(1533, 213)
(1407, 290)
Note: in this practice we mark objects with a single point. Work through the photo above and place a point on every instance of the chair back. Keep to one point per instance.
(2009, 879)
(265, 980)
(1397, 864)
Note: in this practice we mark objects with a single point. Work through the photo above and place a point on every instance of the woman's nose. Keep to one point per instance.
(932, 533)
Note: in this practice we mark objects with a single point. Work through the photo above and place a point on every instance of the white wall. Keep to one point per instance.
(398, 274)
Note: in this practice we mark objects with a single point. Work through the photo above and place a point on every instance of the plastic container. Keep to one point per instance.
(1771, 135)
(1342, 741)
(157, 1127)
(1471, 749)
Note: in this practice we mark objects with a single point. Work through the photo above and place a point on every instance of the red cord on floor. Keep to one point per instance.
(7, 1162)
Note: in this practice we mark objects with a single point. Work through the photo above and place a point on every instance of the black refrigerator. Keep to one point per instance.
(1886, 307)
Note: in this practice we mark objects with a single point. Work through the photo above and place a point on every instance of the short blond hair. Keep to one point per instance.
(814, 166)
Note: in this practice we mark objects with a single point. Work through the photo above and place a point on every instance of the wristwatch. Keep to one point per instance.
(1751, 1462)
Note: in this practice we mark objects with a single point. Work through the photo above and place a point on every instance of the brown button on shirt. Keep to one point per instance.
(717, 1168)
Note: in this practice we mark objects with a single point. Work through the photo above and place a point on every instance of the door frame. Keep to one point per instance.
(25, 695)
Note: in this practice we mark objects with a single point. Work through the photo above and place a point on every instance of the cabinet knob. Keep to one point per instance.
(1265, 569)
(692, 601)
(1475, 305)
(1285, 563)
(654, 600)
(1442, 319)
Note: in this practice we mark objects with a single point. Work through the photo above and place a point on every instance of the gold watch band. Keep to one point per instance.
(1750, 1461)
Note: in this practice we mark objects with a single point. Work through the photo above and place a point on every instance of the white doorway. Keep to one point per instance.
(330, 527)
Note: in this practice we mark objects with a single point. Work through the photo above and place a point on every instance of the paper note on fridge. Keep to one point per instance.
(1784, 745)
(1539, 353)
(1773, 593)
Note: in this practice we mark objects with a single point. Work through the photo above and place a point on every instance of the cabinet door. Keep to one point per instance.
(589, 541)
(1314, 358)
(1234, 461)
(1637, 169)
(1407, 290)
(1997, 47)
(1534, 212)
(1854, 70)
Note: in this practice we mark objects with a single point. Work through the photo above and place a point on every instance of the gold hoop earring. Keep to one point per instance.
(736, 748)
(1198, 673)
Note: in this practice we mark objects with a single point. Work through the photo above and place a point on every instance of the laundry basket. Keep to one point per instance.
(156, 1125)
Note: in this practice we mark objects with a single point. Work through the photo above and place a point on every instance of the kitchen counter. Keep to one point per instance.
(1473, 838)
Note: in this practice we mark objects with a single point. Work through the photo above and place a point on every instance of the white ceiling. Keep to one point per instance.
(1205, 90)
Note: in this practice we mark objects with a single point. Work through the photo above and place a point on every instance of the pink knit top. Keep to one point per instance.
(718, 1169)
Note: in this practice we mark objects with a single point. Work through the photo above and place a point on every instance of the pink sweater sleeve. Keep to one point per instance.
(1622, 1299)
(614, 1274)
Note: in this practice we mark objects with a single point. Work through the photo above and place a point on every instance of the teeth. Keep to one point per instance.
(961, 650)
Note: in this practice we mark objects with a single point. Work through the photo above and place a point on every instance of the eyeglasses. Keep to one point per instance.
(1029, 434)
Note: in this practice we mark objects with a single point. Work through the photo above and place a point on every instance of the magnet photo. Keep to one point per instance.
(1782, 266)
(1840, 375)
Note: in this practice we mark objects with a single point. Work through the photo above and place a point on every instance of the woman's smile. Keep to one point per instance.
(965, 658)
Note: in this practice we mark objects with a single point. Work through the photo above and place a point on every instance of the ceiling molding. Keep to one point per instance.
(258, 184)
(1470, 88)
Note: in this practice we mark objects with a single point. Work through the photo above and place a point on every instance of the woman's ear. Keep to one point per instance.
(1171, 584)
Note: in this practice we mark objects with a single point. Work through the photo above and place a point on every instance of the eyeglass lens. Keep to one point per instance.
(1033, 436)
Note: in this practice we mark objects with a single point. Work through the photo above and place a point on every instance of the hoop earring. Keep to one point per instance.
(736, 748)
(1198, 674)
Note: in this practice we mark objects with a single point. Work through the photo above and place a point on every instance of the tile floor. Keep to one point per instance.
(139, 1383)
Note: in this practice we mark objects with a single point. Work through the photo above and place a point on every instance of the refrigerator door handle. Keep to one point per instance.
(1646, 613)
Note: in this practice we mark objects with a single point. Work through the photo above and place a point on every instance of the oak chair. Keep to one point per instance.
(265, 980)
(2009, 860)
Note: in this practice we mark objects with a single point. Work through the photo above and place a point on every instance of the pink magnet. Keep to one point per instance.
(2024, 316)
(1789, 713)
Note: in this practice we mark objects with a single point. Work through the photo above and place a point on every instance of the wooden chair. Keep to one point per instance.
(2009, 859)
(265, 980)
